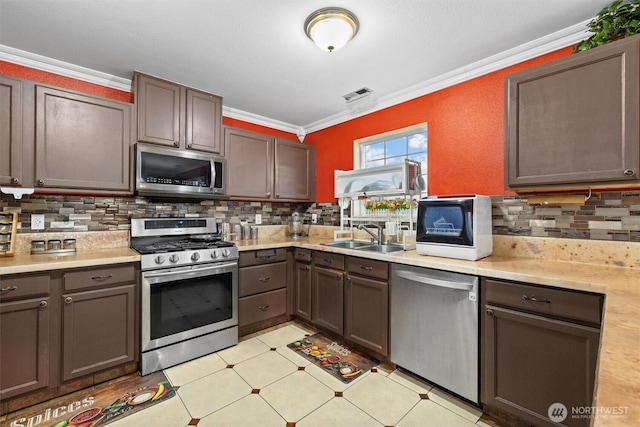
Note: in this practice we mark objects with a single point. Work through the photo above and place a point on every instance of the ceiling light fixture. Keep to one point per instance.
(331, 28)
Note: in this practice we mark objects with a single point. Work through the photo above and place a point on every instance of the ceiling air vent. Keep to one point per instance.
(358, 94)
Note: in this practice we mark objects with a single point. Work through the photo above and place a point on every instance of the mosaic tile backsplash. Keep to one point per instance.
(611, 215)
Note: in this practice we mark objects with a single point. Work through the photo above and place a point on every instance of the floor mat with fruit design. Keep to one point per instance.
(99, 405)
(333, 357)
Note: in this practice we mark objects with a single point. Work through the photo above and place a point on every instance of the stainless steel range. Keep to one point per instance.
(189, 290)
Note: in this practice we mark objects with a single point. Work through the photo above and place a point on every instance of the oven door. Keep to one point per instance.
(186, 302)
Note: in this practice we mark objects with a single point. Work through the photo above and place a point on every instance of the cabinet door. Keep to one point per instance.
(98, 330)
(302, 292)
(531, 362)
(294, 170)
(11, 132)
(159, 111)
(367, 313)
(249, 159)
(82, 142)
(24, 346)
(328, 299)
(204, 122)
(575, 120)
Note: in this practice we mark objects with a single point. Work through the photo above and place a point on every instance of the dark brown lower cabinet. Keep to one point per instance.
(328, 299)
(367, 304)
(98, 330)
(538, 351)
(302, 284)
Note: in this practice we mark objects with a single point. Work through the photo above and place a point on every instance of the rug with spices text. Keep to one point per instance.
(98, 405)
(333, 357)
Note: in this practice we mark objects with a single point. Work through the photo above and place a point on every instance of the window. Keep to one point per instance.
(393, 148)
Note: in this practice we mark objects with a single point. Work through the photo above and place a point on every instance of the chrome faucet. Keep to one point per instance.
(379, 237)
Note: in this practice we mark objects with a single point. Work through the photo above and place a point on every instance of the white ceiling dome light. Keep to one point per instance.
(331, 28)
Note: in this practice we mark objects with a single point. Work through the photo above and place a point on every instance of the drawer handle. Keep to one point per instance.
(534, 299)
(264, 307)
(327, 260)
(68, 300)
(264, 279)
(8, 289)
(102, 278)
(266, 256)
(366, 267)
(43, 304)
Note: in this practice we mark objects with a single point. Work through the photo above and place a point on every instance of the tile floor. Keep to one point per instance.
(260, 382)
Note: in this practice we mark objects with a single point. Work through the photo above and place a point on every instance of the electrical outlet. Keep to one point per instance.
(258, 219)
(314, 218)
(37, 222)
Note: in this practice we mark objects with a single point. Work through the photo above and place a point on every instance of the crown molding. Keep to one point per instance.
(524, 52)
(547, 44)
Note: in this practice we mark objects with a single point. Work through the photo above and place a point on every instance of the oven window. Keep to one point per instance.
(185, 304)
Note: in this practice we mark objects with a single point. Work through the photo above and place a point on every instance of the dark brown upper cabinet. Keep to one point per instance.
(11, 137)
(267, 168)
(178, 116)
(574, 122)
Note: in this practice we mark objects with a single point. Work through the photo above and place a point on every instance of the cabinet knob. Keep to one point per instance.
(68, 300)
(277, 195)
(629, 172)
(307, 268)
(40, 182)
(14, 180)
(268, 194)
(176, 143)
(43, 304)
(489, 312)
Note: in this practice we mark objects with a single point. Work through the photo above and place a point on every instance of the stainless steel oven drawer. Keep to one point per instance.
(262, 307)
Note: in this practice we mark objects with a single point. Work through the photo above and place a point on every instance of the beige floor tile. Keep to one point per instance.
(296, 395)
(170, 413)
(338, 412)
(250, 411)
(382, 398)
(331, 381)
(215, 391)
(410, 381)
(429, 414)
(265, 369)
(454, 404)
(243, 351)
(185, 373)
(282, 336)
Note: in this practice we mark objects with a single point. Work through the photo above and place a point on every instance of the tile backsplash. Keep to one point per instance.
(613, 215)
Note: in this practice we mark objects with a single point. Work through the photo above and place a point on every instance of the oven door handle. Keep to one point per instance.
(189, 273)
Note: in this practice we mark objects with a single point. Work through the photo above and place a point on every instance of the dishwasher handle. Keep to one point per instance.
(426, 280)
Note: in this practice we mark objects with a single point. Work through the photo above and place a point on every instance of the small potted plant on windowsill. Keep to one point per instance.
(619, 20)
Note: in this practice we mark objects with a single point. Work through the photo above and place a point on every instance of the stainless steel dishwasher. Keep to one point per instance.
(434, 327)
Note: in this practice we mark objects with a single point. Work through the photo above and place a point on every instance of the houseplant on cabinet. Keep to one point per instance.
(618, 20)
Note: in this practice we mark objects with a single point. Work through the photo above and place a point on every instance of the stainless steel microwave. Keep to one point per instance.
(171, 172)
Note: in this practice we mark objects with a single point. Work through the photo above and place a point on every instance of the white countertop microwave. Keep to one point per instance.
(455, 227)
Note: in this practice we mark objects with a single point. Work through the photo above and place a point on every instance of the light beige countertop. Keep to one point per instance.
(612, 269)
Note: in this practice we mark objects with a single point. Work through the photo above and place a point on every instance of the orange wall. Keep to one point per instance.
(26, 73)
(465, 135)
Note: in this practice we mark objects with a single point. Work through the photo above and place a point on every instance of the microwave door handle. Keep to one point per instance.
(212, 184)
(434, 282)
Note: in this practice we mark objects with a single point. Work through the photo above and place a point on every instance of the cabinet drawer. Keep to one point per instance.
(368, 267)
(12, 287)
(262, 307)
(538, 299)
(328, 259)
(262, 278)
(93, 277)
(302, 255)
(265, 256)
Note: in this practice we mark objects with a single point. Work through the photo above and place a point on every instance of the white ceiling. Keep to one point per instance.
(255, 54)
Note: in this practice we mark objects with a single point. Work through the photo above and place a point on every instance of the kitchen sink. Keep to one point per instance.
(347, 244)
(384, 249)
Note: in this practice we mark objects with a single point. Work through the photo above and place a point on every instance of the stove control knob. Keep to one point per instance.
(225, 253)
(174, 258)
(159, 259)
(195, 256)
(215, 254)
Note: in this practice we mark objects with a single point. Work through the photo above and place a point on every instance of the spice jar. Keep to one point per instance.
(38, 245)
(54, 244)
(69, 244)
